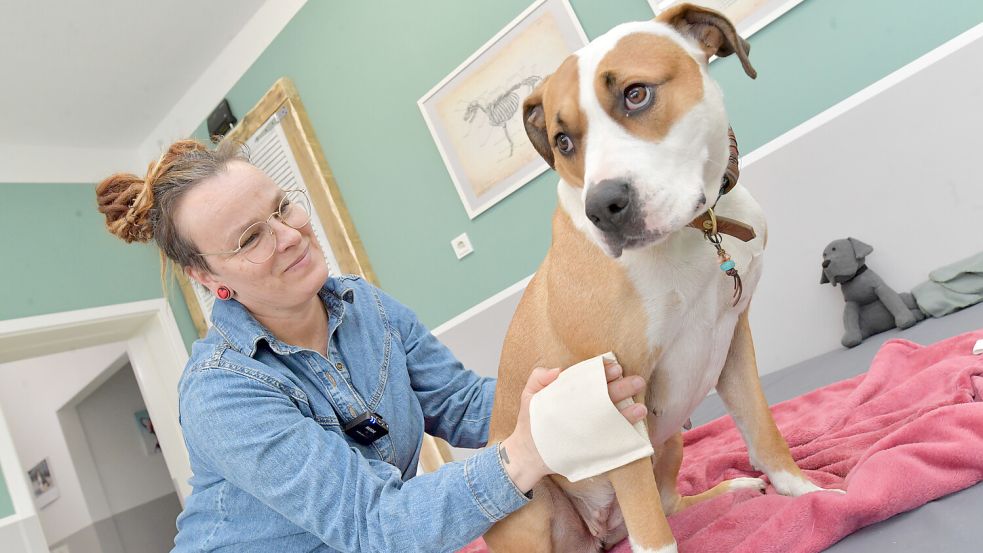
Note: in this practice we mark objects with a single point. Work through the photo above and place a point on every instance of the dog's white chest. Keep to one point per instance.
(689, 300)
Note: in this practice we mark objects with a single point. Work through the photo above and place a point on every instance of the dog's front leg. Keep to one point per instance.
(852, 335)
(638, 496)
(740, 389)
(903, 317)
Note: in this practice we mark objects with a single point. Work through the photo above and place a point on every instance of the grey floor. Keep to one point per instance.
(950, 524)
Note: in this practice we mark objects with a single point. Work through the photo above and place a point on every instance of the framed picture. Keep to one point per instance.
(282, 143)
(475, 113)
(748, 16)
(43, 484)
(148, 437)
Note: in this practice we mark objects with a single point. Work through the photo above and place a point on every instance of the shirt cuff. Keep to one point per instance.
(494, 492)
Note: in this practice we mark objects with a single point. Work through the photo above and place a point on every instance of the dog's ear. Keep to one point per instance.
(860, 250)
(534, 118)
(711, 30)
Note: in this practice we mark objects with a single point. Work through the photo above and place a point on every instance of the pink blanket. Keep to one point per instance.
(908, 431)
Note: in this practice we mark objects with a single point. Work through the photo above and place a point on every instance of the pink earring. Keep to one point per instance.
(223, 293)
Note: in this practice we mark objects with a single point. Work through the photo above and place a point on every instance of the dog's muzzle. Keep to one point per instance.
(614, 208)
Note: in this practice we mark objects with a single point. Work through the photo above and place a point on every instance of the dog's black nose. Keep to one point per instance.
(609, 205)
(825, 264)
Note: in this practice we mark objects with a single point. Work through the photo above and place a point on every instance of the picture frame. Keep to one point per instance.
(279, 124)
(474, 114)
(149, 444)
(43, 484)
(748, 16)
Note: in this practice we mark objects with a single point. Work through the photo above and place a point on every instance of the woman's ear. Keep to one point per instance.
(204, 278)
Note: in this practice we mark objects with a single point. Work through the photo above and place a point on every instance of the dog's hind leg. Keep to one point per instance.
(548, 524)
(740, 389)
(669, 459)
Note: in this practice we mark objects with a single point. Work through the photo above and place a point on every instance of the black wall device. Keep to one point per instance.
(221, 121)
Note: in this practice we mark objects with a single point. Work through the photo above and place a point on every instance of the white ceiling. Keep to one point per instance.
(104, 74)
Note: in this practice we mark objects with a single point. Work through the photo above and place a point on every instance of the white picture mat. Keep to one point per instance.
(270, 151)
(748, 16)
(473, 204)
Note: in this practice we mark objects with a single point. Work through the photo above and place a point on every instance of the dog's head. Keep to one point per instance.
(635, 123)
(842, 259)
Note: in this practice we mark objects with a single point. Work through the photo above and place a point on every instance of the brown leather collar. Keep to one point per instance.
(733, 227)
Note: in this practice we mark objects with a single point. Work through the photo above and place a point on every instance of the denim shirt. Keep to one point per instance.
(273, 469)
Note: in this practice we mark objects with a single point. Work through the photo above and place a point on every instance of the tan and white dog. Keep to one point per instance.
(638, 133)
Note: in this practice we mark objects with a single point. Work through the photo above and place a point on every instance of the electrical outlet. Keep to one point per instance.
(462, 245)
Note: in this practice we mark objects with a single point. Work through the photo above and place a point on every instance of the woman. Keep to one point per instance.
(293, 359)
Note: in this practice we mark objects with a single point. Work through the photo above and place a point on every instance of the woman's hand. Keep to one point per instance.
(519, 454)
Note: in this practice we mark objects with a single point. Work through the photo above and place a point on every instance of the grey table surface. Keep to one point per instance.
(950, 524)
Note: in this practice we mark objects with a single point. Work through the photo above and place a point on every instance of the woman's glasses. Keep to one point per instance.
(258, 242)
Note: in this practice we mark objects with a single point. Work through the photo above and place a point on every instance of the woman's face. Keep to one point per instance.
(213, 214)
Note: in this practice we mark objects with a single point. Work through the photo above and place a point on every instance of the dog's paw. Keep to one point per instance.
(794, 486)
(639, 548)
(745, 483)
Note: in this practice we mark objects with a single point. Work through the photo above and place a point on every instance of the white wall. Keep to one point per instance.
(129, 478)
(900, 171)
(895, 166)
(31, 392)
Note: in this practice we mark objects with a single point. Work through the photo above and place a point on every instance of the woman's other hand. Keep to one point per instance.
(519, 454)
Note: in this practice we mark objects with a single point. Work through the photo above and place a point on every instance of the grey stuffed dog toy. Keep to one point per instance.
(871, 305)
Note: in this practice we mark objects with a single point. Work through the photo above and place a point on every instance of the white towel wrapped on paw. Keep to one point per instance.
(578, 431)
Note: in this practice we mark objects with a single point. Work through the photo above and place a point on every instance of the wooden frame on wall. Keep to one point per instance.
(282, 102)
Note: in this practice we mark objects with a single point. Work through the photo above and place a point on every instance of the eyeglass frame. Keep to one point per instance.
(279, 217)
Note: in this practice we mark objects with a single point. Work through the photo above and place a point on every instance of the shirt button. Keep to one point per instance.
(340, 366)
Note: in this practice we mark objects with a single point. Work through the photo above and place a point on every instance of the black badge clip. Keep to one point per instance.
(367, 428)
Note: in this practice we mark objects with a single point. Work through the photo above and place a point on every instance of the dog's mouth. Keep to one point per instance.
(615, 244)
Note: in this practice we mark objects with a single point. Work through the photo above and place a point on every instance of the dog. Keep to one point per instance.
(637, 131)
(871, 305)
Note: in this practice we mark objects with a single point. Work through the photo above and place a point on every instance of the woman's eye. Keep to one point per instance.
(249, 239)
(564, 143)
(638, 96)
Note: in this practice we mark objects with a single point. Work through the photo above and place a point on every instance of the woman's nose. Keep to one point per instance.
(286, 236)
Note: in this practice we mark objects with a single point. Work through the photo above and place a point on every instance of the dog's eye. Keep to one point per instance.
(637, 96)
(564, 143)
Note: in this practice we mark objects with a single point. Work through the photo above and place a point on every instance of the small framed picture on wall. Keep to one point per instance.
(748, 16)
(475, 113)
(43, 484)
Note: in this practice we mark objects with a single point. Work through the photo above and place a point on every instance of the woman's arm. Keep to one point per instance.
(456, 402)
(256, 438)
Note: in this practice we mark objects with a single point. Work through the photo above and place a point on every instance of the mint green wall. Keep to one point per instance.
(6, 505)
(58, 256)
(360, 68)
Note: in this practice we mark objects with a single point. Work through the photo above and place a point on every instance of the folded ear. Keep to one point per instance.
(534, 119)
(711, 30)
(860, 250)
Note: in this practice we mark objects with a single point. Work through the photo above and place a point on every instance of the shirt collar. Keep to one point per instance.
(243, 332)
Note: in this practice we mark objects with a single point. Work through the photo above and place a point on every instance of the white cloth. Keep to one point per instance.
(977, 349)
(578, 431)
